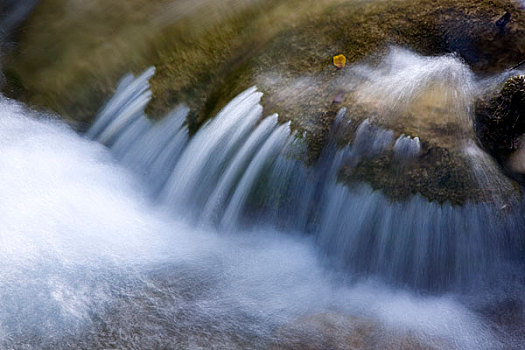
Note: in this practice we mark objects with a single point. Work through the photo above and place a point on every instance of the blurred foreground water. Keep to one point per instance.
(139, 235)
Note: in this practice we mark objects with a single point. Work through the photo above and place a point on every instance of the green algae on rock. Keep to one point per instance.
(205, 55)
(198, 48)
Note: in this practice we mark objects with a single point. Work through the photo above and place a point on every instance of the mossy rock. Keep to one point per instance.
(70, 55)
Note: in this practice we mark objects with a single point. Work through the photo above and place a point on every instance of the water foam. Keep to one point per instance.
(242, 169)
(87, 261)
(101, 249)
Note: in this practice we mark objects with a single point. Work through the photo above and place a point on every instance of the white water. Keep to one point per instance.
(407, 148)
(103, 248)
(82, 246)
(243, 170)
(403, 77)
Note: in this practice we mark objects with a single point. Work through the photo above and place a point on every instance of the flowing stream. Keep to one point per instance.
(139, 235)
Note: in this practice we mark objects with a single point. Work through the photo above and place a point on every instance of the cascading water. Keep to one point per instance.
(88, 262)
(243, 169)
(211, 241)
(406, 147)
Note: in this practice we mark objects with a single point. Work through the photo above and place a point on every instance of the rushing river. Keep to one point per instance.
(137, 235)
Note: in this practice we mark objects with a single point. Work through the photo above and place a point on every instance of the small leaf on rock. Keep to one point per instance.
(340, 61)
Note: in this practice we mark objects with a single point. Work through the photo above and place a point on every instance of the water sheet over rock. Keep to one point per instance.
(242, 169)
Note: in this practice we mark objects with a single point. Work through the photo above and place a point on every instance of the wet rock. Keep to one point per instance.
(503, 21)
(343, 332)
(438, 174)
(516, 161)
(500, 119)
(207, 54)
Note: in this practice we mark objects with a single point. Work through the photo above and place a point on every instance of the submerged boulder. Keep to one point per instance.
(343, 332)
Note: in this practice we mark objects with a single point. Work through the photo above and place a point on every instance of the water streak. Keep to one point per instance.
(87, 262)
(241, 169)
(407, 148)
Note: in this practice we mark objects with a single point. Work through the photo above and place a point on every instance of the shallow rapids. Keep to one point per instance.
(87, 261)
(243, 169)
(225, 239)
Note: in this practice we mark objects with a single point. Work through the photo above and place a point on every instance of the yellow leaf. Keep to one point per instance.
(339, 61)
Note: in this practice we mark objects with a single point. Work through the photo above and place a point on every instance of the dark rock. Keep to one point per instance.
(503, 21)
(500, 119)
(13, 13)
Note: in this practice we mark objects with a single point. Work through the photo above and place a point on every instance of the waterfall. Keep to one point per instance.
(89, 262)
(141, 235)
(244, 170)
(406, 147)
